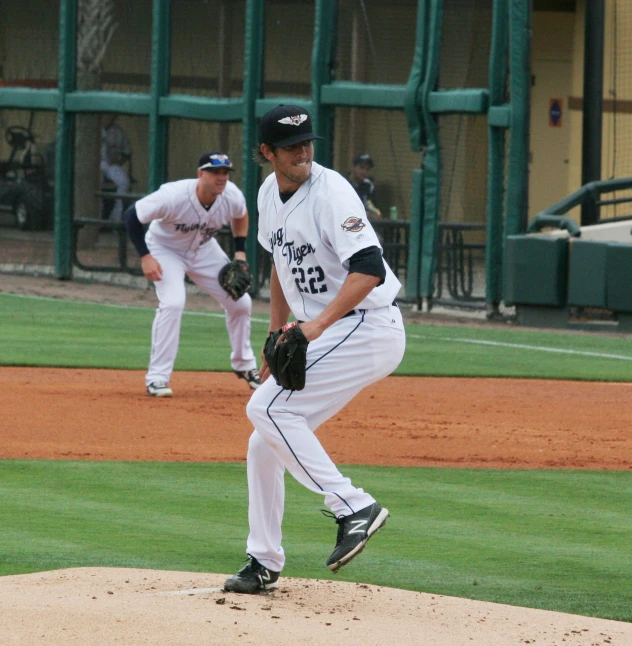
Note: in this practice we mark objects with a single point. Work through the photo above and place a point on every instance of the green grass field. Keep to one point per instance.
(52, 332)
(550, 539)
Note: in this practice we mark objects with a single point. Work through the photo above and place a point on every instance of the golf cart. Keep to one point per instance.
(26, 180)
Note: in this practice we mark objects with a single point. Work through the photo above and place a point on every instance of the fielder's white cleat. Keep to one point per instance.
(251, 376)
(159, 389)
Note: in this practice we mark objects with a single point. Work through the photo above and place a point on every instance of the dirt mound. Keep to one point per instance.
(126, 606)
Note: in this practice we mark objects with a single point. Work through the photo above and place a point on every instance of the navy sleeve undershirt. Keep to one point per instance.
(136, 231)
(368, 261)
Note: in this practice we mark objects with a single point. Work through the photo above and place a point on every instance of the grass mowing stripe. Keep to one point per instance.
(519, 346)
(51, 299)
(76, 334)
(492, 535)
(82, 335)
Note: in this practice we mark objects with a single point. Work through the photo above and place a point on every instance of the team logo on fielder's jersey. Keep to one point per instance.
(353, 224)
(294, 120)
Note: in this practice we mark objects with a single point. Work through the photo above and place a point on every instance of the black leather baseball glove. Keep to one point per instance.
(235, 278)
(287, 360)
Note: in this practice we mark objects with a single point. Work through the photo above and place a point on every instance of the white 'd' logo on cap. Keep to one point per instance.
(294, 121)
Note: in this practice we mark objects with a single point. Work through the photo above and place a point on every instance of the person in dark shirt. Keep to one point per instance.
(360, 180)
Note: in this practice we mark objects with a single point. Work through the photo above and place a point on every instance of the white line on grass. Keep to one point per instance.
(519, 346)
(218, 315)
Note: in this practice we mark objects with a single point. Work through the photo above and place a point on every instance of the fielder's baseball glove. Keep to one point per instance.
(287, 360)
(235, 278)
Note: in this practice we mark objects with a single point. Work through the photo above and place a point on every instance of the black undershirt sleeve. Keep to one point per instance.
(136, 231)
(368, 261)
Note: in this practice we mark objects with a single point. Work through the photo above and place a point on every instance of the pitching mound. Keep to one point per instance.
(125, 606)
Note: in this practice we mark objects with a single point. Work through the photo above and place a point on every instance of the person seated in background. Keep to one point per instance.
(115, 152)
(360, 180)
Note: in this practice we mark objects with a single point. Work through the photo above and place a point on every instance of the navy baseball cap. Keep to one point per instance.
(286, 125)
(214, 161)
(363, 158)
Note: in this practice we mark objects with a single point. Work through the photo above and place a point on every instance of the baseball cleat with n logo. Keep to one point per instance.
(253, 578)
(354, 532)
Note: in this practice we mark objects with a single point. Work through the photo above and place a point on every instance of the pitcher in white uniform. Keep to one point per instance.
(183, 218)
(329, 273)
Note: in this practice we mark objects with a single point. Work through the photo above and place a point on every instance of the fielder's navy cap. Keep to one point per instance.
(286, 125)
(214, 161)
(363, 158)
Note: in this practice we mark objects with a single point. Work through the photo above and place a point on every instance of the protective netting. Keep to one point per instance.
(114, 45)
(29, 44)
(382, 135)
(110, 174)
(377, 40)
(207, 47)
(288, 38)
(206, 58)
(463, 142)
(465, 44)
(26, 188)
(461, 236)
(29, 47)
(617, 115)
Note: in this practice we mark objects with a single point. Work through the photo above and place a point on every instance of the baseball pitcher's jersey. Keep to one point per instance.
(312, 236)
(180, 222)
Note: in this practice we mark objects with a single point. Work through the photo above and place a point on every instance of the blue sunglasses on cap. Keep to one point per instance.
(215, 160)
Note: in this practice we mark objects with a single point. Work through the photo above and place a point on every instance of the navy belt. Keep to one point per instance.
(352, 312)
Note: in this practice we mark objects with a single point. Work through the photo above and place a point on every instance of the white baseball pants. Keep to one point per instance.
(203, 268)
(353, 353)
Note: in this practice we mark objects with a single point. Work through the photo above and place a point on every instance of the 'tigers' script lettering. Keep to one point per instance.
(296, 254)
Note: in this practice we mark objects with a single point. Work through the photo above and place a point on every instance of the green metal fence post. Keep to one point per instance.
(64, 149)
(592, 118)
(253, 86)
(520, 86)
(322, 63)
(416, 77)
(496, 169)
(158, 125)
(418, 141)
(432, 159)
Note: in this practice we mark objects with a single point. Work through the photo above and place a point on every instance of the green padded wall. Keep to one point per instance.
(618, 272)
(536, 270)
(587, 273)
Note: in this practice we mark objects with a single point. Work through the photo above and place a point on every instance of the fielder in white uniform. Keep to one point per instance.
(329, 273)
(184, 218)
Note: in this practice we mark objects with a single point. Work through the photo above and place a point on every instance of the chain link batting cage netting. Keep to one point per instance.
(145, 87)
(464, 63)
(375, 44)
(28, 59)
(617, 114)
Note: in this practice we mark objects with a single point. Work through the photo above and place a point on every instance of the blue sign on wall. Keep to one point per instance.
(555, 112)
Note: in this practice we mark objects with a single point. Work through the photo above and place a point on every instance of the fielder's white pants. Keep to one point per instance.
(119, 176)
(351, 354)
(203, 268)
